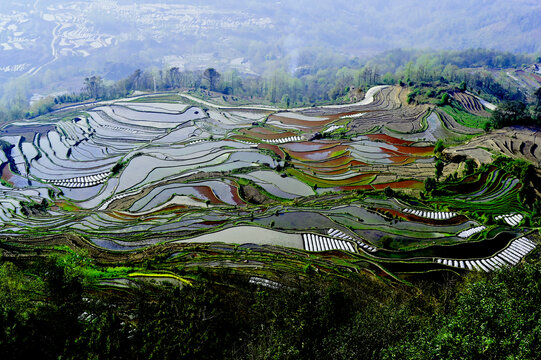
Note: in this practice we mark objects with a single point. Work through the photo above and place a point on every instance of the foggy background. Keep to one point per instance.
(49, 46)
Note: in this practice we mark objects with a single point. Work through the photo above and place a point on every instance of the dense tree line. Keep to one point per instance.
(513, 112)
(314, 79)
(393, 60)
(51, 310)
(453, 67)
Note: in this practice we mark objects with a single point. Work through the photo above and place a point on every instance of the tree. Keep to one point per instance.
(212, 76)
(537, 107)
(439, 147)
(439, 168)
(286, 100)
(536, 210)
(94, 86)
(537, 95)
(494, 318)
(469, 167)
(133, 81)
(444, 99)
(430, 184)
(509, 113)
(389, 193)
(118, 167)
(173, 78)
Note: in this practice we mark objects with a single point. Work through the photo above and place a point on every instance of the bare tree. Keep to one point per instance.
(173, 77)
(94, 86)
(134, 80)
(212, 76)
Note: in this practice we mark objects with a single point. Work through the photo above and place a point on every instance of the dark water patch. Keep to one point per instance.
(80, 194)
(114, 246)
(374, 236)
(252, 247)
(27, 131)
(296, 220)
(469, 250)
(221, 248)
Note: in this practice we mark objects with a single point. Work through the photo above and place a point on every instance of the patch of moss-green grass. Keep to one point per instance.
(465, 118)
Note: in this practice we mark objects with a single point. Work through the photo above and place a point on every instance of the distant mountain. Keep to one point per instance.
(113, 38)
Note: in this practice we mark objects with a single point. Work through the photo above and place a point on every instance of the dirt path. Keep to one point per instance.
(54, 51)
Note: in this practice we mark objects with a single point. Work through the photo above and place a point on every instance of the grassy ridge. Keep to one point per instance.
(465, 118)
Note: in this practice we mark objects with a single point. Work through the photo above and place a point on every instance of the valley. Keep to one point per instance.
(333, 182)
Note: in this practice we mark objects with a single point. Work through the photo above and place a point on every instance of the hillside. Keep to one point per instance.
(137, 172)
(216, 231)
(162, 211)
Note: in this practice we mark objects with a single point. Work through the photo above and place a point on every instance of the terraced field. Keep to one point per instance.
(130, 175)
(470, 103)
(515, 142)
